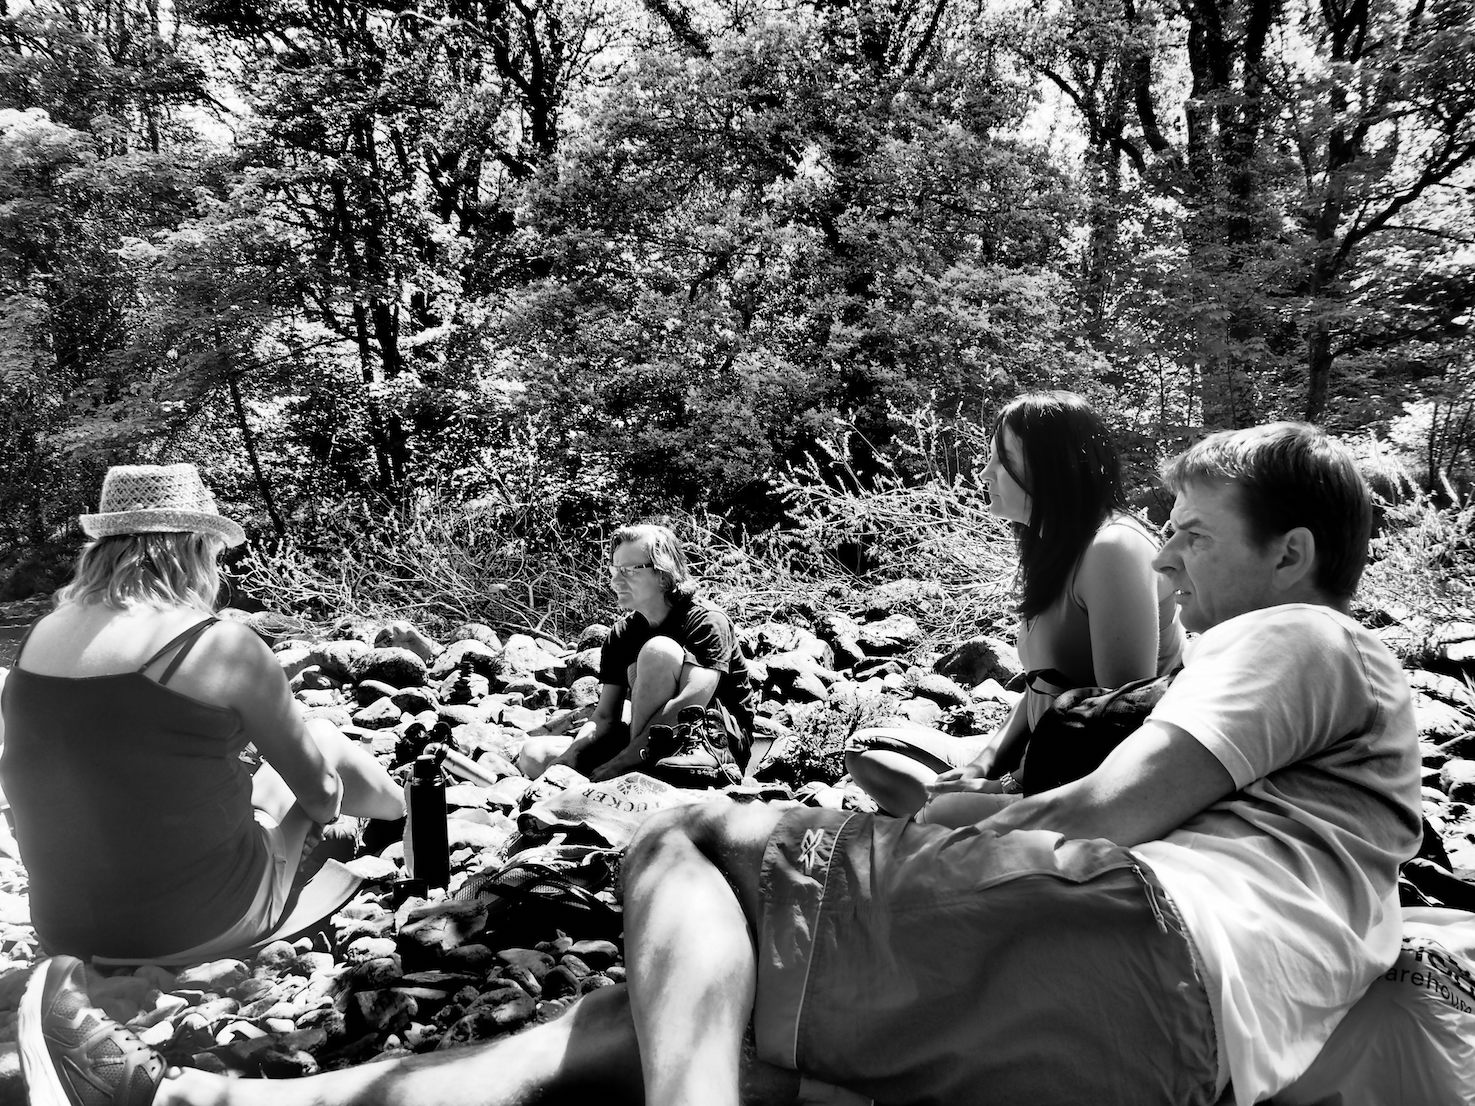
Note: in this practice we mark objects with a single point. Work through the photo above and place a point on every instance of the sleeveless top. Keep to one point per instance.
(132, 809)
(1059, 637)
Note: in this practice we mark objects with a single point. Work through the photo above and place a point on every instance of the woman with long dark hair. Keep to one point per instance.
(1090, 604)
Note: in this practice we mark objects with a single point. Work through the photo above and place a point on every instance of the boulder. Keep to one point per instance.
(897, 633)
(937, 687)
(478, 656)
(477, 631)
(405, 635)
(525, 656)
(979, 659)
(593, 637)
(336, 657)
(397, 667)
(381, 714)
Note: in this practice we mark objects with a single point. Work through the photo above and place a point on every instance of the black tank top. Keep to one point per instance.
(132, 809)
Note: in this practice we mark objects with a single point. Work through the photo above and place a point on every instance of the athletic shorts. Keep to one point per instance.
(920, 964)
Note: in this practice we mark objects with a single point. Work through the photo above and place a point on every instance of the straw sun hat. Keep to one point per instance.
(158, 499)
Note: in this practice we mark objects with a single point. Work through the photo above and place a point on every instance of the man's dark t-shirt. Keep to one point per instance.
(706, 638)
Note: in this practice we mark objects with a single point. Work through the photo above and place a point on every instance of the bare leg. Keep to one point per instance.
(654, 679)
(963, 808)
(368, 790)
(898, 779)
(689, 950)
(589, 1053)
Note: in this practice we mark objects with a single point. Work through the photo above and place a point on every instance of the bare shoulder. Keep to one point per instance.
(1122, 540)
(233, 643)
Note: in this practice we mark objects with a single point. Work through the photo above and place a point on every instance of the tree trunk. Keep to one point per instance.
(279, 527)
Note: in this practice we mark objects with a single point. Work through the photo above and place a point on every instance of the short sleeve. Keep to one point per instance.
(618, 653)
(710, 640)
(1233, 696)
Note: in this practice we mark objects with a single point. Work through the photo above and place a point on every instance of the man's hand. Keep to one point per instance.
(969, 778)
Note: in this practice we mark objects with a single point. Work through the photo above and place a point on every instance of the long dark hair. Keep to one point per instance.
(1074, 485)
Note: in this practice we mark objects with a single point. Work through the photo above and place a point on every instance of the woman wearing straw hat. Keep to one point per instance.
(143, 833)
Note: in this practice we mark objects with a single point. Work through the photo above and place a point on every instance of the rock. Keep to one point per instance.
(462, 833)
(532, 693)
(593, 637)
(464, 688)
(979, 659)
(520, 718)
(535, 963)
(275, 959)
(481, 658)
(439, 927)
(890, 636)
(1462, 747)
(1457, 780)
(381, 714)
(524, 656)
(413, 700)
(336, 657)
(596, 953)
(477, 631)
(311, 678)
(217, 975)
(1438, 720)
(833, 624)
(386, 1009)
(921, 712)
(559, 982)
(937, 687)
(405, 635)
(294, 660)
(370, 691)
(398, 667)
(583, 692)
(777, 638)
(583, 665)
(274, 1062)
(366, 948)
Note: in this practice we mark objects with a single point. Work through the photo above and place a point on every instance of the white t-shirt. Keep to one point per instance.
(1288, 887)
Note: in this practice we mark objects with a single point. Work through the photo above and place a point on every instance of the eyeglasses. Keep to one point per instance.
(616, 571)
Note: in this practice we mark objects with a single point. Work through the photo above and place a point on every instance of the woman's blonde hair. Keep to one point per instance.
(158, 570)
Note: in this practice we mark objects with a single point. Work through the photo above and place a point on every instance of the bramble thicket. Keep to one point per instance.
(447, 289)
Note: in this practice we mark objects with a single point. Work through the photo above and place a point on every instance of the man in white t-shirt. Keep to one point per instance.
(1200, 911)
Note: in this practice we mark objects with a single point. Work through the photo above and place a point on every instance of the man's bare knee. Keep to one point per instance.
(658, 656)
(732, 837)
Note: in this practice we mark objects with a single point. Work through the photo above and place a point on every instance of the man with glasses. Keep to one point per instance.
(674, 699)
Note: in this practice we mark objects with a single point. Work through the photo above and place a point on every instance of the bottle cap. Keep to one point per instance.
(427, 768)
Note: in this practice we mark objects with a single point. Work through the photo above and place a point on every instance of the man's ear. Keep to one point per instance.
(1296, 565)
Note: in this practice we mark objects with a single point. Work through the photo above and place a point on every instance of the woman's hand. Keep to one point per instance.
(969, 778)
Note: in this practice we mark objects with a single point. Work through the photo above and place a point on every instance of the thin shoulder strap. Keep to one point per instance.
(186, 642)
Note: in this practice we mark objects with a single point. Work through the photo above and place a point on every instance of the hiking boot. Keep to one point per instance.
(660, 741)
(71, 1053)
(702, 758)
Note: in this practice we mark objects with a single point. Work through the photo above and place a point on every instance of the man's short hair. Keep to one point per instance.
(665, 554)
(1290, 474)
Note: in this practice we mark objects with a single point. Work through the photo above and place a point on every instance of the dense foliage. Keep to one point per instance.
(569, 260)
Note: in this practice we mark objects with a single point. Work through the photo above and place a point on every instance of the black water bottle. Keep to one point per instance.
(427, 852)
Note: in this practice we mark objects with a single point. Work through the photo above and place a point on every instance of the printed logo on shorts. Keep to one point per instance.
(809, 849)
